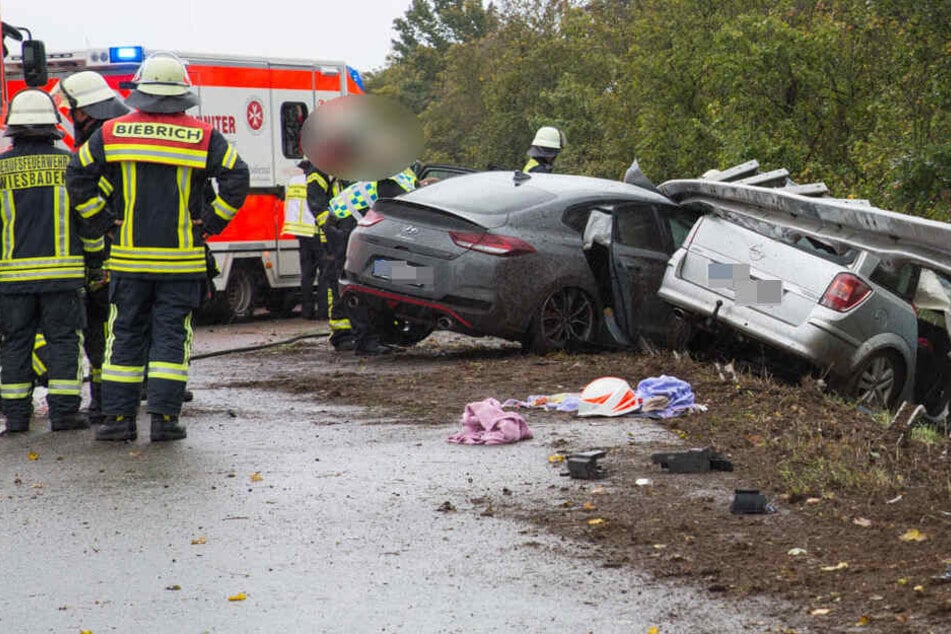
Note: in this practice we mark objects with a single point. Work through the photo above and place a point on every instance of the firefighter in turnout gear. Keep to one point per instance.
(159, 160)
(41, 267)
(307, 197)
(91, 103)
(544, 150)
(351, 328)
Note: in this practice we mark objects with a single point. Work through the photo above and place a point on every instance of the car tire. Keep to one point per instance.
(879, 379)
(240, 292)
(565, 320)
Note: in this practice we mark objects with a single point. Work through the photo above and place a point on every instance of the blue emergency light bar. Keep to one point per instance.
(119, 54)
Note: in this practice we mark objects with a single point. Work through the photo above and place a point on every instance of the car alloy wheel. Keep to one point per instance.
(566, 317)
(878, 381)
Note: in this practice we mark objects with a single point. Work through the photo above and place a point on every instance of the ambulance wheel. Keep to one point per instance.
(240, 292)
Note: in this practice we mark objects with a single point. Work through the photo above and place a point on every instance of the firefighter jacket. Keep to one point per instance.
(40, 248)
(159, 165)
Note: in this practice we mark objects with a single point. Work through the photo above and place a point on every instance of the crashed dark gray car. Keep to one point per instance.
(503, 254)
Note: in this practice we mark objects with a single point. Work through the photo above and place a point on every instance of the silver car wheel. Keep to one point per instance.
(566, 316)
(876, 383)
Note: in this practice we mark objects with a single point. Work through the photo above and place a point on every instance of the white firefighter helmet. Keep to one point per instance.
(549, 137)
(88, 91)
(608, 396)
(162, 74)
(32, 107)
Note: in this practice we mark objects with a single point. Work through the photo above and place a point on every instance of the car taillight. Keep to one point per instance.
(491, 244)
(370, 218)
(845, 292)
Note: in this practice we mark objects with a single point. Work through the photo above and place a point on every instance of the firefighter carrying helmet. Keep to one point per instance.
(549, 137)
(608, 396)
(89, 92)
(32, 111)
(162, 85)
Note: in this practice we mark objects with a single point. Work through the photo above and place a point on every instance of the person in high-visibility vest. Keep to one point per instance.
(42, 270)
(350, 327)
(308, 195)
(544, 150)
(160, 160)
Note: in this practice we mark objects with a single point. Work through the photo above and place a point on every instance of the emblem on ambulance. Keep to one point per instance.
(254, 115)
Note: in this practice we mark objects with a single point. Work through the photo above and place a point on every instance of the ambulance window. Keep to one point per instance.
(293, 114)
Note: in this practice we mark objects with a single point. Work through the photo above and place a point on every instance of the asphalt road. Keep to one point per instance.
(323, 520)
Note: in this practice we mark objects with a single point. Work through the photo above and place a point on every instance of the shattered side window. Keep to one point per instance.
(899, 277)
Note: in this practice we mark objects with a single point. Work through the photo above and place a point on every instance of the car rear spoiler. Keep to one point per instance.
(806, 209)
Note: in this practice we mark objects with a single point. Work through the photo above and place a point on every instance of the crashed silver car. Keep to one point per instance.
(766, 264)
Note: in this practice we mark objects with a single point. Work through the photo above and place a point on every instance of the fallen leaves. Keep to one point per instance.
(589, 506)
(238, 597)
(653, 629)
(913, 535)
(861, 521)
(796, 552)
(820, 612)
(33, 456)
(174, 587)
(863, 621)
(256, 476)
(597, 521)
(842, 565)
(446, 507)
(198, 541)
(557, 457)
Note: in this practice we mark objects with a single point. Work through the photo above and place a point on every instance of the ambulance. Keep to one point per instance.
(258, 104)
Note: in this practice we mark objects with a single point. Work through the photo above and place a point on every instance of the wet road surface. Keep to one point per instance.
(324, 519)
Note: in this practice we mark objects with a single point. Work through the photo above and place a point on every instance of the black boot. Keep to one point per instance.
(117, 428)
(166, 427)
(188, 396)
(17, 426)
(75, 420)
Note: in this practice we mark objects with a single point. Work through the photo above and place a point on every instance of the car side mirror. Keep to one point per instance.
(35, 71)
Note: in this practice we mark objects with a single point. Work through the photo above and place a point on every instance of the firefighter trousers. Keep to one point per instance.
(310, 251)
(341, 336)
(94, 342)
(61, 318)
(150, 328)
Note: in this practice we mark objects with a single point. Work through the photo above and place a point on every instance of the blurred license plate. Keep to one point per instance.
(401, 271)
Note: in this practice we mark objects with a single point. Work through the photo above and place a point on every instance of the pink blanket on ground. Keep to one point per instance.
(486, 423)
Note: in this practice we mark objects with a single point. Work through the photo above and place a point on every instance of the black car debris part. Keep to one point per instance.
(692, 461)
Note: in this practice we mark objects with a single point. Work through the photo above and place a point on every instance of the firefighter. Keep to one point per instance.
(308, 195)
(544, 150)
(41, 268)
(91, 103)
(160, 160)
(351, 328)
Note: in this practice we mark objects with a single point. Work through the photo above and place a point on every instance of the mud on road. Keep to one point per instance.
(864, 509)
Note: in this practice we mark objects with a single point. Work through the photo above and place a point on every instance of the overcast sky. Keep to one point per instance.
(355, 31)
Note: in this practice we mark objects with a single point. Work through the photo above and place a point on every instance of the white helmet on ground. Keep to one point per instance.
(549, 137)
(89, 92)
(608, 396)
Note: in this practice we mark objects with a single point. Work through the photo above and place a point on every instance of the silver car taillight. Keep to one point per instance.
(845, 293)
